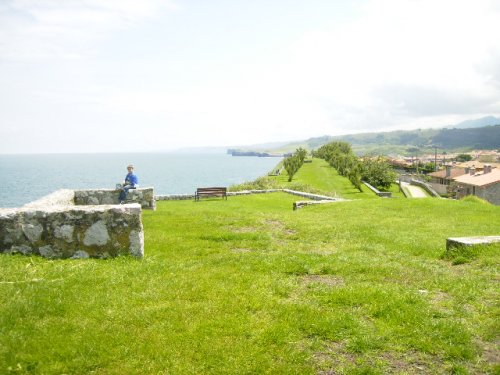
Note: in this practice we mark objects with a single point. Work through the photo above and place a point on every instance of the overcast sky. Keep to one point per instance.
(152, 75)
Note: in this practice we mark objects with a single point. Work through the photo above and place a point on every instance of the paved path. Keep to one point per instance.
(415, 191)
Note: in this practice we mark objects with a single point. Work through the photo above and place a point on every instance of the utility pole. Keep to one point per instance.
(435, 159)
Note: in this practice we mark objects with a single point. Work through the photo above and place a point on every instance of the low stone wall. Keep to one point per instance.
(63, 197)
(179, 197)
(302, 194)
(174, 197)
(300, 204)
(314, 198)
(382, 194)
(55, 227)
(144, 196)
(426, 187)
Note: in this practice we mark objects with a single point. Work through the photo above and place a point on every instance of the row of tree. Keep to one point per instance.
(376, 171)
(292, 163)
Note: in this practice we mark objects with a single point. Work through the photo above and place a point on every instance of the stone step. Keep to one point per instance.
(454, 242)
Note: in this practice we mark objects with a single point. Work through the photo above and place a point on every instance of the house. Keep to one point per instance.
(440, 180)
(479, 166)
(485, 184)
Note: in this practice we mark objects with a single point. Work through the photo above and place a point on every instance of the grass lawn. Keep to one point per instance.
(248, 286)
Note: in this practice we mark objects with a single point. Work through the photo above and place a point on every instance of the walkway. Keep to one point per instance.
(415, 191)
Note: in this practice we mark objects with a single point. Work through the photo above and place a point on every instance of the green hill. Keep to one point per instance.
(399, 141)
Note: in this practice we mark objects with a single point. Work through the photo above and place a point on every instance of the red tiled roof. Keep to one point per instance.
(455, 172)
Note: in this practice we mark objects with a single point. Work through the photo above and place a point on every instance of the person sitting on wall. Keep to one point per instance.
(131, 182)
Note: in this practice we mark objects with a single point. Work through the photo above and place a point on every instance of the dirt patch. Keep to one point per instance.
(240, 250)
(491, 351)
(275, 224)
(322, 279)
(440, 297)
(409, 363)
(334, 358)
(436, 297)
(244, 230)
(278, 226)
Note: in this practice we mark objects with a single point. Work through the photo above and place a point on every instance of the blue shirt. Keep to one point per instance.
(131, 179)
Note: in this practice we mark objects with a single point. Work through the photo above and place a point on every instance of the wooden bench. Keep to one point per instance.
(210, 192)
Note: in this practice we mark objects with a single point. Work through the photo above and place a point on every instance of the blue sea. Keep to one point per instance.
(29, 177)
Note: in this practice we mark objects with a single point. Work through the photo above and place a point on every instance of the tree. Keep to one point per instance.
(378, 173)
(301, 154)
(293, 163)
(463, 157)
(354, 171)
(427, 167)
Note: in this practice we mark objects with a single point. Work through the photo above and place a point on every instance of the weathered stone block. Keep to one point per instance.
(97, 234)
(457, 242)
(59, 229)
(144, 196)
(32, 231)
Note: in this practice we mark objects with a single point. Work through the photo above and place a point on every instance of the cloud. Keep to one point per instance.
(418, 101)
(391, 64)
(401, 60)
(41, 29)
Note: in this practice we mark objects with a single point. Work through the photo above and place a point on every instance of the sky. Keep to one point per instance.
(159, 75)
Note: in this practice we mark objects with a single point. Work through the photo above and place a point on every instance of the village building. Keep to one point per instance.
(485, 184)
(479, 166)
(441, 180)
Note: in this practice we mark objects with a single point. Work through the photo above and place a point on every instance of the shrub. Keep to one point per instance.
(378, 172)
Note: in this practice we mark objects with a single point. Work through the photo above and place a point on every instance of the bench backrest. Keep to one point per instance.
(212, 190)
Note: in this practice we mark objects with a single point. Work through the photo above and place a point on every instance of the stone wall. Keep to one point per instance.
(426, 187)
(490, 193)
(54, 227)
(174, 197)
(144, 196)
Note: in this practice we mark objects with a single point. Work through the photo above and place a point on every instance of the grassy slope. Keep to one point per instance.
(249, 286)
(322, 177)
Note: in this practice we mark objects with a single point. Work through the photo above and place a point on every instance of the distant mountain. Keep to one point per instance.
(478, 123)
(397, 142)
(482, 133)
(487, 137)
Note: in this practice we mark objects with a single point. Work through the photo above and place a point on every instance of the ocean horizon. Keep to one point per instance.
(27, 177)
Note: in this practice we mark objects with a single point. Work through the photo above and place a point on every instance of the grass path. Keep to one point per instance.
(325, 178)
